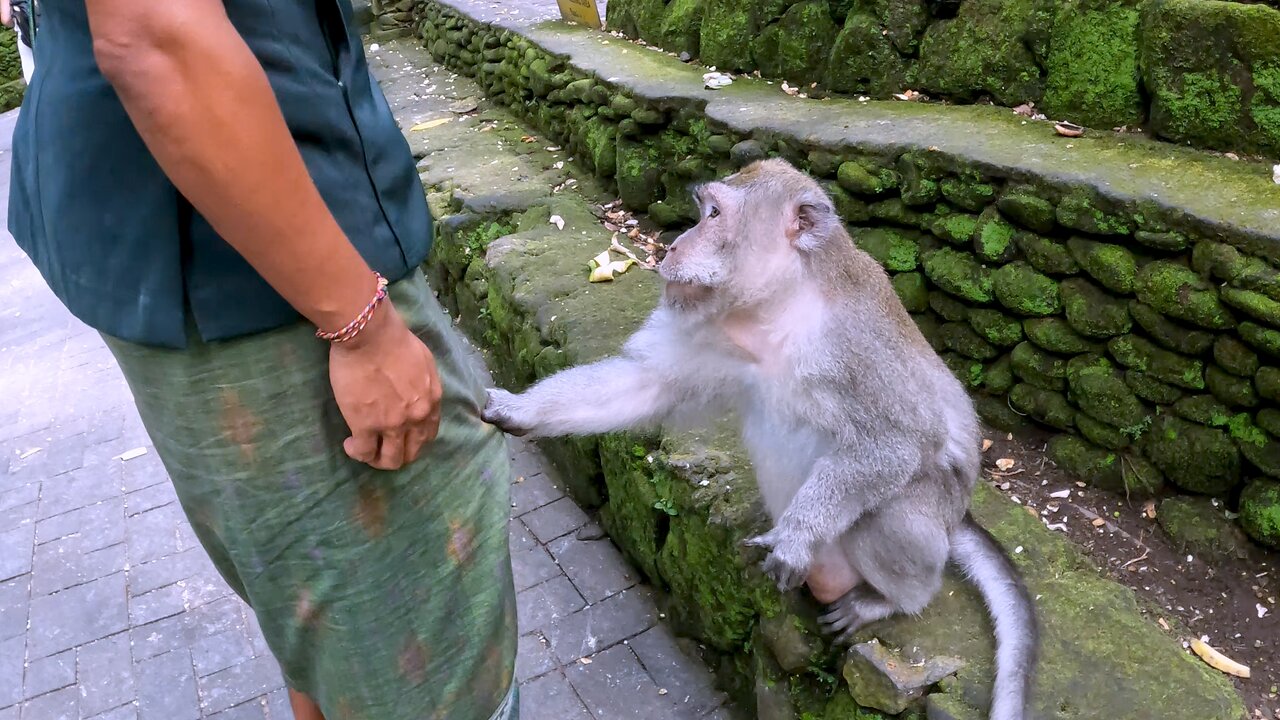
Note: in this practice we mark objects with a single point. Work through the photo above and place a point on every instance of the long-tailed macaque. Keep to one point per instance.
(865, 447)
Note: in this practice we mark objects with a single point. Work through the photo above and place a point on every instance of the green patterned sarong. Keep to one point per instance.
(384, 595)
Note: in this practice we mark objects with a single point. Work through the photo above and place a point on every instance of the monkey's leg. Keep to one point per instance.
(614, 394)
(901, 552)
(839, 491)
(831, 575)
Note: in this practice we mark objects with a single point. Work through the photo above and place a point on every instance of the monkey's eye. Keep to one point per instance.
(713, 212)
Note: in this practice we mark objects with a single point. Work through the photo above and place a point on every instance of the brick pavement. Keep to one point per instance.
(110, 610)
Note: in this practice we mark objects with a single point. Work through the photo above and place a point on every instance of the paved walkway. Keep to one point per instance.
(109, 609)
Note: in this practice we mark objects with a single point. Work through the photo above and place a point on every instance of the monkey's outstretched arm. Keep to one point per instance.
(841, 488)
(618, 393)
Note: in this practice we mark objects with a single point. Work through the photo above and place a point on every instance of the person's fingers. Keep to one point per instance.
(391, 452)
(362, 447)
(6, 14)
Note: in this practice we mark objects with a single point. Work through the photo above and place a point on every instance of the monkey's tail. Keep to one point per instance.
(1013, 614)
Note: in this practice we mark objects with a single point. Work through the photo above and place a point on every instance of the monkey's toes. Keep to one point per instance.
(785, 575)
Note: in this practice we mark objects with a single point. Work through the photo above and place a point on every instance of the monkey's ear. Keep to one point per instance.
(809, 223)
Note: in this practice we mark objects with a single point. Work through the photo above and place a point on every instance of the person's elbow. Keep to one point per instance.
(136, 51)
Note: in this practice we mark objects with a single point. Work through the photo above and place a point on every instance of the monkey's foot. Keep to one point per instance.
(503, 411)
(787, 570)
(859, 607)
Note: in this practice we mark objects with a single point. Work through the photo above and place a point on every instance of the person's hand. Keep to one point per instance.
(6, 14)
(388, 389)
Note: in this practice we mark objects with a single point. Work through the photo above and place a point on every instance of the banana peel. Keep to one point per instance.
(604, 268)
(1217, 660)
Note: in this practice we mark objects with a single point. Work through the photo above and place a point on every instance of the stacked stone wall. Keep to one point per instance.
(1195, 71)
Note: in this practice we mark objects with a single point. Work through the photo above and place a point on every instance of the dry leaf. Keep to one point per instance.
(1217, 660)
(585, 661)
(1025, 110)
(528, 138)
(1099, 522)
(1061, 494)
(1149, 509)
(1067, 129)
(1164, 625)
(429, 124)
(986, 444)
(1005, 464)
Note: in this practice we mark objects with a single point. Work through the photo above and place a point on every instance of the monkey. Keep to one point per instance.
(864, 446)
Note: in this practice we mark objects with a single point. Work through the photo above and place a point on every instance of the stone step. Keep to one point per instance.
(679, 505)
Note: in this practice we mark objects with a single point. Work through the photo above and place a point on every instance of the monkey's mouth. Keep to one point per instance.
(683, 293)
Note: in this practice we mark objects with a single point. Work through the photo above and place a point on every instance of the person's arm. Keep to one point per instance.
(201, 102)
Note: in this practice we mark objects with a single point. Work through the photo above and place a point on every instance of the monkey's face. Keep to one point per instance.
(699, 262)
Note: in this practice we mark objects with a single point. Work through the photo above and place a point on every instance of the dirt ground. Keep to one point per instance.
(1229, 604)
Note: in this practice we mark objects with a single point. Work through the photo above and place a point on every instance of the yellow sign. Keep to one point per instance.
(583, 12)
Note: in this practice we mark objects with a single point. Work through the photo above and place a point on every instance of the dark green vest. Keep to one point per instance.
(125, 251)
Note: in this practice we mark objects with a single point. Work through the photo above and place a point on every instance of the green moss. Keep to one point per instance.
(1231, 389)
(1267, 382)
(1260, 449)
(947, 307)
(1169, 334)
(895, 250)
(962, 339)
(1147, 387)
(968, 191)
(1260, 512)
(1178, 292)
(639, 171)
(1193, 457)
(1026, 208)
(861, 179)
(912, 291)
(956, 228)
(984, 50)
(1262, 339)
(1055, 335)
(601, 140)
(796, 47)
(862, 59)
(1046, 406)
(965, 369)
(1106, 397)
(681, 26)
(1265, 106)
(1038, 367)
(1080, 210)
(1254, 304)
(1046, 255)
(1092, 68)
(1023, 290)
(1167, 241)
(998, 376)
(1091, 311)
(1200, 526)
(725, 25)
(1203, 409)
(1109, 470)
(993, 241)
(995, 327)
(1198, 105)
(1140, 354)
(1111, 265)
(1100, 433)
(959, 274)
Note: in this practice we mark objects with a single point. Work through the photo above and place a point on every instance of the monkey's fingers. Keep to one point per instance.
(784, 574)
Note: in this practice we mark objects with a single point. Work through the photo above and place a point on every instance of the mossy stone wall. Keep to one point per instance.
(12, 86)
(1197, 71)
(1150, 346)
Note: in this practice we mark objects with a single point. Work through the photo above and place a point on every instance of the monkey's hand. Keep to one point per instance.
(787, 564)
(505, 411)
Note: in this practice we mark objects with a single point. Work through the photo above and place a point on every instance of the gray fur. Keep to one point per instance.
(865, 446)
